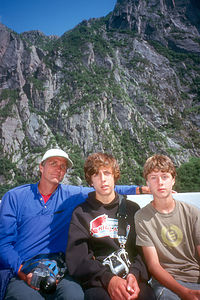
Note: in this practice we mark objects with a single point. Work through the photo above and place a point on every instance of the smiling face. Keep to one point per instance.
(53, 170)
(160, 184)
(103, 182)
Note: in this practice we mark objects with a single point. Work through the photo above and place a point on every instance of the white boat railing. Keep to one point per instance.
(191, 198)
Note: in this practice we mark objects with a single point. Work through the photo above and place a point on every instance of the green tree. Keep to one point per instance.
(188, 176)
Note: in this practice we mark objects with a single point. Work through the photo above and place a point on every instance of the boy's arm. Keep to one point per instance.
(162, 276)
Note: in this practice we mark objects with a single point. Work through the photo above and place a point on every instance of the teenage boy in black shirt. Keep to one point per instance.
(93, 236)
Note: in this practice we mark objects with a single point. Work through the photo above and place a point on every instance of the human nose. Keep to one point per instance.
(59, 167)
(102, 176)
(160, 180)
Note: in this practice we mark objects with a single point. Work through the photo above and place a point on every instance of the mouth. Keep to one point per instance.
(161, 190)
(56, 174)
(105, 187)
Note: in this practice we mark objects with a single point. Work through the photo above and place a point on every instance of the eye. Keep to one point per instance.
(52, 163)
(107, 173)
(95, 174)
(63, 167)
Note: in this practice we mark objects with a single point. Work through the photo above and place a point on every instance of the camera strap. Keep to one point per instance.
(118, 261)
(123, 227)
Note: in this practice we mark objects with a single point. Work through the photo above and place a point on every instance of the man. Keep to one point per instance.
(34, 220)
(168, 231)
(98, 254)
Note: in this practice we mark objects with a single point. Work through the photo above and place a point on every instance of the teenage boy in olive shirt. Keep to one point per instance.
(168, 231)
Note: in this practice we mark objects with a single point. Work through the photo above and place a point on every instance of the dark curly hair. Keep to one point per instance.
(97, 160)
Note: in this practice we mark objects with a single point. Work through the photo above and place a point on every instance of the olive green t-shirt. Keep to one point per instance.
(175, 237)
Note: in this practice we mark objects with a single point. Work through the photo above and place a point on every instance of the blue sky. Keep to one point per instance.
(52, 17)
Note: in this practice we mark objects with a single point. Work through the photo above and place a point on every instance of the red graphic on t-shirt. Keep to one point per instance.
(103, 226)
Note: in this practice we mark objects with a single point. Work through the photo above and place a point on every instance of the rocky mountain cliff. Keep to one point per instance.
(128, 83)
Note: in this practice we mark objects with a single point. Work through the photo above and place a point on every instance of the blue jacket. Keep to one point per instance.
(29, 227)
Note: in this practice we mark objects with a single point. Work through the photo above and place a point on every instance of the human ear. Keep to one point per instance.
(40, 168)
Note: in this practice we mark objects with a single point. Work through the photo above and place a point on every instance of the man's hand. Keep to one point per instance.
(142, 190)
(27, 278)
(123, 289)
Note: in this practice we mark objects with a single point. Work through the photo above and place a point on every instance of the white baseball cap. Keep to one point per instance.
(57, 152)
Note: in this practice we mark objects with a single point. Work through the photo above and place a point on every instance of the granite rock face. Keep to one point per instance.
(128, 83)
(170, 22)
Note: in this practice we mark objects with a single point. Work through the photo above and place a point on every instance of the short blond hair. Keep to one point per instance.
(159, 162)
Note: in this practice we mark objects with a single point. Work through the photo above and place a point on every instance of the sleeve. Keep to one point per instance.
(142, 236)
(126, 189)
(9, 257)
(195, 213)
(80, 259)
